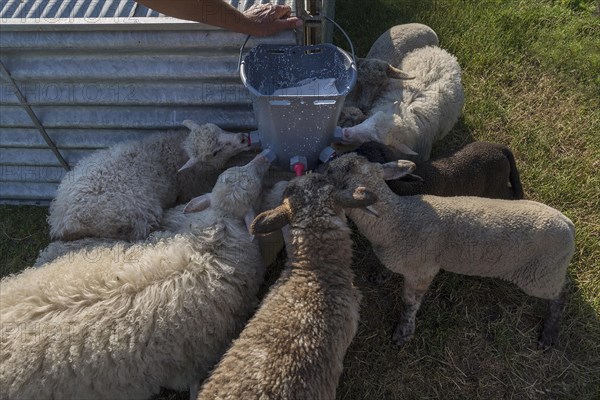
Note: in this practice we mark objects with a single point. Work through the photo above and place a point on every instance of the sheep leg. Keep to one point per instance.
(414, 290)
(194, 389)
(551, 327)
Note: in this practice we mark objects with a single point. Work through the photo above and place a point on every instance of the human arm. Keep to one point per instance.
(258, 20)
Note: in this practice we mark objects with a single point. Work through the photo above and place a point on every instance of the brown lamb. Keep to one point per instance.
(294, 346)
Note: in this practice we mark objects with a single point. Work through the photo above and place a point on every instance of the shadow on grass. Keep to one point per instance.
(363, 20)
(460, 135)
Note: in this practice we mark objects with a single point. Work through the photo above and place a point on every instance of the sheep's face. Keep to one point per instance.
(210, 144)
(372, 77)
(312, 201)
(375, 128)
(311, 197)
(351, 170)
(238, 188)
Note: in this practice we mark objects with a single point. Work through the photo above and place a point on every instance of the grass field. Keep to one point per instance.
(531, 72)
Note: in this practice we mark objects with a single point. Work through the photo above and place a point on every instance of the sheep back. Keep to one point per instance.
(118, 192)
(303, 328)
(154, 314)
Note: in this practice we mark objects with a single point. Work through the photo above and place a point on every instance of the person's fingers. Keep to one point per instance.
(294, 22)
(267, 12)
(280, 11)
(271, 19)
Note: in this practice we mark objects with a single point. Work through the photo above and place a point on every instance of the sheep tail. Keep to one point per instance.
(513, 177)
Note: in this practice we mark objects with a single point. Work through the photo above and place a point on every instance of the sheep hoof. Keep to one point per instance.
(547, 339)
(400, 336)
(549, 334)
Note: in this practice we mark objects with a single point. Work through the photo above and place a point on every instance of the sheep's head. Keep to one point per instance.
(351, 170)
(372, 76)
(237, 190)
(210, 144)
(376, 128)
(379, 127)
(312, 201)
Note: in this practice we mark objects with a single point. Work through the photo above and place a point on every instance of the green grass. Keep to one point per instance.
(23, 233)
(531, 72)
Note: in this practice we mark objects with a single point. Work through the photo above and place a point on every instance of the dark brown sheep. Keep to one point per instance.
(480, 169)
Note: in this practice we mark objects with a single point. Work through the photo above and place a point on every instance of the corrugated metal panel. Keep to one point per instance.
(99, 72)
(55, 9)
(93, 9)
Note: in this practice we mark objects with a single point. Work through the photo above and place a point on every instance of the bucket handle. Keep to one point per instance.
(345, 35)
(239, 64)
(328, 19)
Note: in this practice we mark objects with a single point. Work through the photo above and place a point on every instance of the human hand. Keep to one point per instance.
(268, 19)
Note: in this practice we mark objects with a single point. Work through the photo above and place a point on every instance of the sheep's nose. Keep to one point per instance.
(346, 133)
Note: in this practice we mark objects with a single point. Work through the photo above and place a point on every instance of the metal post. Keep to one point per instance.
(312, 12)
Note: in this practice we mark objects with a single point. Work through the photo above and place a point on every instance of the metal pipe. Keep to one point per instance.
(34, 118)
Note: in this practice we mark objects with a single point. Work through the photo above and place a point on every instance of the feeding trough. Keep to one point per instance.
(297, 93)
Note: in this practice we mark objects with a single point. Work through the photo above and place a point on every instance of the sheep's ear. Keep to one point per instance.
(191, 125)
(370, 211)
(197, 204)
(358, 198)
(402, 148)
(395, 73)
(397, 169)
(248, 218)
(270, 221)
(412, 178)
(189, 164)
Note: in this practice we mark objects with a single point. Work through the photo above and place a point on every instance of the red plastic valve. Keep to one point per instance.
(299, 169)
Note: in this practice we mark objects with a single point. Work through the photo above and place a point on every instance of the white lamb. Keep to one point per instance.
(523, 242)
(120, 192)
(294, 346)
(418, 112)
(155, 313)
(390, 47)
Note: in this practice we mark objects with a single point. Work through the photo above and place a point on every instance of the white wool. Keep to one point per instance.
(120, 192)
(416, 112)
(121, 320)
